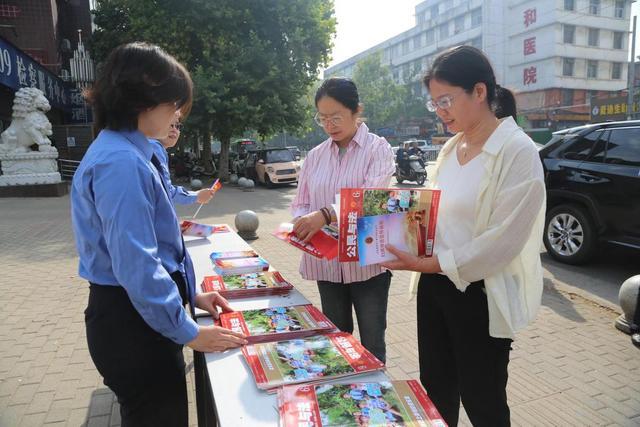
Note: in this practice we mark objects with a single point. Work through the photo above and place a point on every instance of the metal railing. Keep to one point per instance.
(431, 153)
(67, 168)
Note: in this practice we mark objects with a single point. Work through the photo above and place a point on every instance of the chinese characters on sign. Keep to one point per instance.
(530, 76)
(529, 17)
(611, 108)
(78, 107)
(18, 70)
(529, 46)
(304, 414)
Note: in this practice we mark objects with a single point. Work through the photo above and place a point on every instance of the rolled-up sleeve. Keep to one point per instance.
(302, 201)
(381, 167)
(180, 195)
(124, 199)
(519, 198)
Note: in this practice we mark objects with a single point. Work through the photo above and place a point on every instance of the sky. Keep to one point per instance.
(365, 23)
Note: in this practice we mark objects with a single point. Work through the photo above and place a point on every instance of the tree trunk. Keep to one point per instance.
(206, 152)
(195, 146)
(223, 168)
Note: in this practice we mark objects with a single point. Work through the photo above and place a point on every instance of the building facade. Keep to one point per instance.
(556, 55)
(40, 46)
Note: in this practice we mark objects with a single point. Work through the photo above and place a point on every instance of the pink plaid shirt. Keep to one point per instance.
(368, 162)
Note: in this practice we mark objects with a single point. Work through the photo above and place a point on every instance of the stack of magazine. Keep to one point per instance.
(247, 285)
(296, 351)
(238, 262)
(311, 360)
(277, 323)
(391, 403)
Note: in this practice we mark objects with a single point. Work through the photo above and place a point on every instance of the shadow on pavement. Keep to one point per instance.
(103, 409)
(602, 276)
(559, 303)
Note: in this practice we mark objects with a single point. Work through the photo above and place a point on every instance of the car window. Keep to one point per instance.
(624, 147)
(599, 149)
(578, 147)
(279, 156)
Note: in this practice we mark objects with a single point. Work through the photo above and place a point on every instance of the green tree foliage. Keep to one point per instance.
(381, 95)
(252, 61)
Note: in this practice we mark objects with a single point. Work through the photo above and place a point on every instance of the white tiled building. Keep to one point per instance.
(555, 54)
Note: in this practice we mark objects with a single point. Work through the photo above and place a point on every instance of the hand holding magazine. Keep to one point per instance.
(371, 218)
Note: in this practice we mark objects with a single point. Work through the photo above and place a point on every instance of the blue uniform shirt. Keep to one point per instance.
(178, 194)
(127, 232)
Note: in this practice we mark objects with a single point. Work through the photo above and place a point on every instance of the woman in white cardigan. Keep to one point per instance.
(484, 281)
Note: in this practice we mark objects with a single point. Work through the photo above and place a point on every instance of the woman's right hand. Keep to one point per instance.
(308, 225)
(214, 339)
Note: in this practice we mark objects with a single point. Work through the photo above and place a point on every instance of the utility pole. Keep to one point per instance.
(632, 72)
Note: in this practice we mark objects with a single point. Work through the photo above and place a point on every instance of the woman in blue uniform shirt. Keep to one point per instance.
(129, 242)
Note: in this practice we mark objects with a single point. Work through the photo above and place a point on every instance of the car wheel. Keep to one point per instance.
(267, 181)
(569, 234)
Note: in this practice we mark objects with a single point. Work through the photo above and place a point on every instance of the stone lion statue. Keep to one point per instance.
(29, 123)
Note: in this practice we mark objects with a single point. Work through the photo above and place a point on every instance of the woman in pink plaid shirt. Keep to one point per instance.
(350, 157)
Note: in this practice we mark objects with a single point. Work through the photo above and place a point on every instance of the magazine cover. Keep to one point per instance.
(390, 403)
(323, 244)
(233, 255)
(419, 208)
(236, 263)
(247, 285)
(405, 230)
(189, 228)
(314, 359)
(277, 323)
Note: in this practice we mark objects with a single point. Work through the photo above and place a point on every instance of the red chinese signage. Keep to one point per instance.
(530, 76)
(529, 46)
(529, 17)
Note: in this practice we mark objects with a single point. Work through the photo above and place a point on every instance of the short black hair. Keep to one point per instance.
(466, 66)
(135, 77)
(342, 90)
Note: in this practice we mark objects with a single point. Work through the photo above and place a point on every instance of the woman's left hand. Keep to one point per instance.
(210, 301)
(405, 261)
(308, 225)
(408, 261)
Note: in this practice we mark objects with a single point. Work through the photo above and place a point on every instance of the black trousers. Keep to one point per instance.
(369, 298)
(458, 358)
(144, 369)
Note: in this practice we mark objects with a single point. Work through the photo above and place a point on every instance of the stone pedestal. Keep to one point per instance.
(247, 224)
(628, 297)
(29, 168)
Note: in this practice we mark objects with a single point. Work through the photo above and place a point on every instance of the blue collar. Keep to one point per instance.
(136, 138)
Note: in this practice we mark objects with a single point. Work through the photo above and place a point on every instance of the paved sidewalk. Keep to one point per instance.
(571, 367)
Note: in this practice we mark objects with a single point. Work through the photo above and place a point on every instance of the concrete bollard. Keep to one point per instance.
(628, 298)
(247, 224)
(249, 185)
(196, 184)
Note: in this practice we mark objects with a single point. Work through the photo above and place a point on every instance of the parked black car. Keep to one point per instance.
(592, 174)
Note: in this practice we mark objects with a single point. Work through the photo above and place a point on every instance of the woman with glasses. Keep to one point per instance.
(484, 281)
(178, 194)
(350, 157)
(129, 243)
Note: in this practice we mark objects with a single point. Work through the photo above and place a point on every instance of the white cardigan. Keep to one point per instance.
(507, 237)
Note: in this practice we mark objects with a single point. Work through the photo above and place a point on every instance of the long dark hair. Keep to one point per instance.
(466, 66)
(135, 77)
